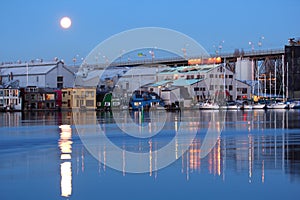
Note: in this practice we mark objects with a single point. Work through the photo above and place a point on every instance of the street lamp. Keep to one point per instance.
(184, 50)
(251, 45)
(152, 54)
(221, 46)
(261, 38)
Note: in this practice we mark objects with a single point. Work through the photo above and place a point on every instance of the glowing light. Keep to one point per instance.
(66, 179)
(65, 22)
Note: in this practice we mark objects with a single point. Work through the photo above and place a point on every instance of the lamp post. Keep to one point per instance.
(261, 38)
(251, 45)
(152, 54)
(184, 50)
(221, 46)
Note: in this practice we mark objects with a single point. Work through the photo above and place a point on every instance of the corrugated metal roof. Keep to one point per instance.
(194, 69)
(161, 83)
(32, 70)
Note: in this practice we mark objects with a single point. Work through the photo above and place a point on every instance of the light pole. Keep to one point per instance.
(261, 38)
(152, 54)
(221, 46)
(184, 50)
(251, 45)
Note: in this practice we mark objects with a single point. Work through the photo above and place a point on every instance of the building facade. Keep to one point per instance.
(39, 74)
(35, 98)
(79, 98)
(199, 83)
(292, 63)
(10, 99)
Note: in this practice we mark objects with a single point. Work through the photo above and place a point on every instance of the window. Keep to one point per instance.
(196, 89)
(211, 76)
(230, 76)
(59, 85)
(50, 97)
(211, 87)
(60, 81)
(230, 87)
(89, 103)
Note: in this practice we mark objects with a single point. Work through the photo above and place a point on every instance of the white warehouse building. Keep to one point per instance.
(39, 74)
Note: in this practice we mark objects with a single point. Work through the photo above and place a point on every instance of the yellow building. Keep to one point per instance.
(79, 98)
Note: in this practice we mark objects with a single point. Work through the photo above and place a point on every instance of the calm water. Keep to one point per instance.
(257, 156)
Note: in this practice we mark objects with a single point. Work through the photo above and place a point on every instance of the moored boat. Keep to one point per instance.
(278, 105)
(209, 106)
(294, 105)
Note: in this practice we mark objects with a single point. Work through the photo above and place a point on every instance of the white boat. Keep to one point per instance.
(209, 106)
(259, 106)
(294, 105)
(248, 106)
(232, 105)
(278, 105)
(254, 106)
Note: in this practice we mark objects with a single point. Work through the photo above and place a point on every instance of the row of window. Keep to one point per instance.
(220, 76)
(40, 97)
(83, 94)
(9, 93)
(221, 87)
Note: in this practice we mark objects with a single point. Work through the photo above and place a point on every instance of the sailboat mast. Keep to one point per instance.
(257, 81)
(253, 82)
(283, 88)
(275, 78)
(270, 84)
(224, 78)
(287, 80)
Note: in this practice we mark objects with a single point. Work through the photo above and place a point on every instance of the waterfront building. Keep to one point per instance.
(200, 82)
(137, 77)
(10, 99)
(79, 98)
(292, 62)
(35, 98)
(41, 74)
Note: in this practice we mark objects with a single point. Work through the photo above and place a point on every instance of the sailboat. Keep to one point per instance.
(281, 104)
(209, 106)
(278, 105)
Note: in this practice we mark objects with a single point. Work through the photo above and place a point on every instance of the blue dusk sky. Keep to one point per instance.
(30, 29)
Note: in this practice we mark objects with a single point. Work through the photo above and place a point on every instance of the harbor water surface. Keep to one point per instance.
(256, 156)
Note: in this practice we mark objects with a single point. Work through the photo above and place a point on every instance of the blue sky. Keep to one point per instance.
(30, 29)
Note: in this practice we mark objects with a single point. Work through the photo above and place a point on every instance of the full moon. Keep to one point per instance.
(65, 22)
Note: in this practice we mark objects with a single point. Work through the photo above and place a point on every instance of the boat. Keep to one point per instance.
(277, 105)
(231, 105)
(294, 105)
(209, 106)
(145, 100)
(258, 106)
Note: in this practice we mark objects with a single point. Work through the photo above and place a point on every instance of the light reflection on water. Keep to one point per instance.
(42, 160)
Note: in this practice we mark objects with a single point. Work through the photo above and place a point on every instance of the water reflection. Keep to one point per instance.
(65, 145)
(252, 142)
(255, 148)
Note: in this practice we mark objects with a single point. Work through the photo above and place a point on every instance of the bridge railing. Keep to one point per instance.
(182, 59)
